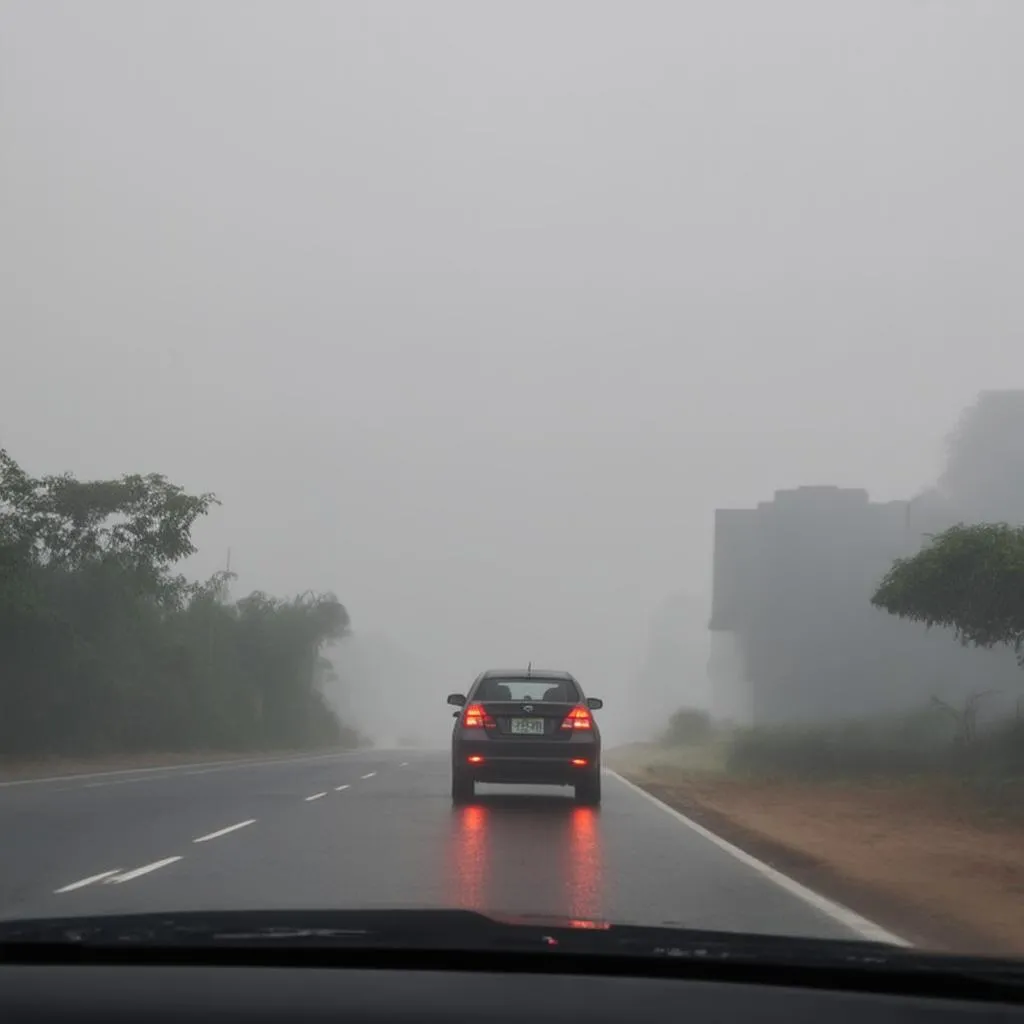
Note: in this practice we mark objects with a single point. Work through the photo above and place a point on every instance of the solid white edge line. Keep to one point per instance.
(87, 881)
(169, 768)
(368, 775)
(224, 831)
(316, 796)
(144, 870)
(338, 789)
(848, 918)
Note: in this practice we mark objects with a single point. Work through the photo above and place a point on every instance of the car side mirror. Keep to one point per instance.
(595, 703)
(455, 714)
(457, 699)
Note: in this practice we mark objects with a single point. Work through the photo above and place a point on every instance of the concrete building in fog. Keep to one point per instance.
(794, 635)
(674, 672)
(792, 584)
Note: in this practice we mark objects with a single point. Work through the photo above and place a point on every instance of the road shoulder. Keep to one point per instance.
(909, 874)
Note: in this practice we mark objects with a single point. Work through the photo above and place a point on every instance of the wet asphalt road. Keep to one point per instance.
(372, 829)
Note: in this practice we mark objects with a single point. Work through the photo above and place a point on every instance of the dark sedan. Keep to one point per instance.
(524, 726)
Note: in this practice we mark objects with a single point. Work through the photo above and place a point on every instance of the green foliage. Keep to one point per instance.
(104, 649)
(687, 727)
(925, 742)
(855, 748)
(970, 579)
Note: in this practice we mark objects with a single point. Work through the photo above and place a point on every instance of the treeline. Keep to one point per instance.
(105, 649)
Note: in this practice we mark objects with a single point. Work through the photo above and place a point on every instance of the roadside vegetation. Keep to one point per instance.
(935, 742)
(969, 579)
(107, 650)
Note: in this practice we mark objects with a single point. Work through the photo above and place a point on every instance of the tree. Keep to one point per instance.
(105, 649)
(969, 579)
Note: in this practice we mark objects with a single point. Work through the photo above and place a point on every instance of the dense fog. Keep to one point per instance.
(473, 314)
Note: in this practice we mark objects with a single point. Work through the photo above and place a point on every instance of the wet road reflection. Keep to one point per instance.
(470, 855)
(522, 853)
(584, 869)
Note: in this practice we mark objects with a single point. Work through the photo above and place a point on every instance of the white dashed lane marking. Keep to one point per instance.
(138, 872)
(224, 831)
(81, 883)
(115, 877)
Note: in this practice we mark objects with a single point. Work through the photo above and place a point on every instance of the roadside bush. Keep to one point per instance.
(998, 752)
(856, 748)
(925, 742)
(687, 727)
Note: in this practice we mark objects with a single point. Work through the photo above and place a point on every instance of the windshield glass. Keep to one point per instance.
(353, 351)
(529, 689)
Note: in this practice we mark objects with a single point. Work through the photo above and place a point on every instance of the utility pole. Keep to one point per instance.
(221, 594)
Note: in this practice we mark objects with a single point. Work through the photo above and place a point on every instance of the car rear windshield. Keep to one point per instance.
(556, 690)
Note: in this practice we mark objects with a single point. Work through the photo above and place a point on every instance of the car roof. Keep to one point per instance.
(526, 673)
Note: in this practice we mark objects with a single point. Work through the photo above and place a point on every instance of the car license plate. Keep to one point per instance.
(528, 726)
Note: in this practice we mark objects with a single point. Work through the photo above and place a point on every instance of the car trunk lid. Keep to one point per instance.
(529, 720)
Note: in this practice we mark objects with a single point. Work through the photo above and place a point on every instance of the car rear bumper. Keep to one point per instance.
(556, 764)
(543, 773)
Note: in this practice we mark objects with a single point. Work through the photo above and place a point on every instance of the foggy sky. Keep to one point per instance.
(473, 312)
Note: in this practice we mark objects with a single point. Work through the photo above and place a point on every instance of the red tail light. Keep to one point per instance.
(475, 717)
(475, 759)
(579, 718)
(579, 762)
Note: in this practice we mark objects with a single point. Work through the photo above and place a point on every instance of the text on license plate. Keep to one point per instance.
(528, 726)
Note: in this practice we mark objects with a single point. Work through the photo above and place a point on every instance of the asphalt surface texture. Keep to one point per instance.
(377, 829)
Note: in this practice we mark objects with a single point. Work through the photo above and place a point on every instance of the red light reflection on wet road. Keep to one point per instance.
(585, 876)
(529, 855)
(470, 854)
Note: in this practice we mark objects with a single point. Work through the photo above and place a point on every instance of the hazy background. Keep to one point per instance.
(473, 312)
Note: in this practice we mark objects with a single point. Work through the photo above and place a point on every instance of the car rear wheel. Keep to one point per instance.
(588, 790)
(463, 787)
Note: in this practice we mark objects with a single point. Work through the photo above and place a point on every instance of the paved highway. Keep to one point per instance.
(377, 829)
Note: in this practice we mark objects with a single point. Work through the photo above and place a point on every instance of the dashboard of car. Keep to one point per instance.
(174, 993)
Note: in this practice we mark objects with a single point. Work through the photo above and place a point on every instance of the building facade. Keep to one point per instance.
(793, 579)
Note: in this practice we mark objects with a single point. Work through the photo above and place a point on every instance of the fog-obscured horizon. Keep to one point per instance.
(473, 314)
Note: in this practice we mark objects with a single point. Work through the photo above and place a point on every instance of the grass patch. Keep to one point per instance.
(985, 771)
(979, 769)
